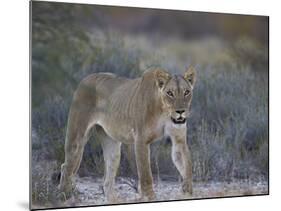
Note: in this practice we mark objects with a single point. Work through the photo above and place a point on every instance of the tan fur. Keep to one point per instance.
(131, 111)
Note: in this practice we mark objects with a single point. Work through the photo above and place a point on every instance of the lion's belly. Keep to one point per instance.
(117, 131)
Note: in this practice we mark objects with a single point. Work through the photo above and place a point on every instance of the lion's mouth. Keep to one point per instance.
(180, 120)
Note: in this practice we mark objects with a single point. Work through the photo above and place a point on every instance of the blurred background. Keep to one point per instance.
(228, 128)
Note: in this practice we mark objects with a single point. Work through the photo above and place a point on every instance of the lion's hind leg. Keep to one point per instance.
(111, 154)
(76, 139)
(73, 157)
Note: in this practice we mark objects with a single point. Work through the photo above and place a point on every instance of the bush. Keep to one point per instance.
(228, 129)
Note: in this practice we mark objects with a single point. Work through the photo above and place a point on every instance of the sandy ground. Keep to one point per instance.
(90, 192)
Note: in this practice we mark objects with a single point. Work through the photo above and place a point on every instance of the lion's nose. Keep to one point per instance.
(180, 111)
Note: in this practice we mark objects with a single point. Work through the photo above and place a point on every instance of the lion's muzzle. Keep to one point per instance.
(180, 117)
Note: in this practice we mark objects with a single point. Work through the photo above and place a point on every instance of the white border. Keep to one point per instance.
(14, 112)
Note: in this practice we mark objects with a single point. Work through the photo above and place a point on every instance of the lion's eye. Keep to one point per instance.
(170, 93)
(186, 93)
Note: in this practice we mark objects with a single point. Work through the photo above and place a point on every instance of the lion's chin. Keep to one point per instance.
(180, 120)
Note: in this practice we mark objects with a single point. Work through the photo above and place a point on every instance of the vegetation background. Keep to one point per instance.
(228, 128)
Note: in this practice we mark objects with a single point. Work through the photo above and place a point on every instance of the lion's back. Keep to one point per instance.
(99, 85)
(104, 82)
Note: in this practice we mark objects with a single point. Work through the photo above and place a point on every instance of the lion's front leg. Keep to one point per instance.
(182, 159)
(142, 152)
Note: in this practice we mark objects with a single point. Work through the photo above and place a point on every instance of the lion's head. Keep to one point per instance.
(176, 93)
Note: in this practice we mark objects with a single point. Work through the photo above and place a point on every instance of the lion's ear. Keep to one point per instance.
(162, 77)
(190, 75)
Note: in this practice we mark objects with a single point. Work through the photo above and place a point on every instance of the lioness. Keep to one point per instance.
(131, 111)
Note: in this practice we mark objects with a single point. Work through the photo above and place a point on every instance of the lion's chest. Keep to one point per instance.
(168, 128)
(175, 130)
(164, 127)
